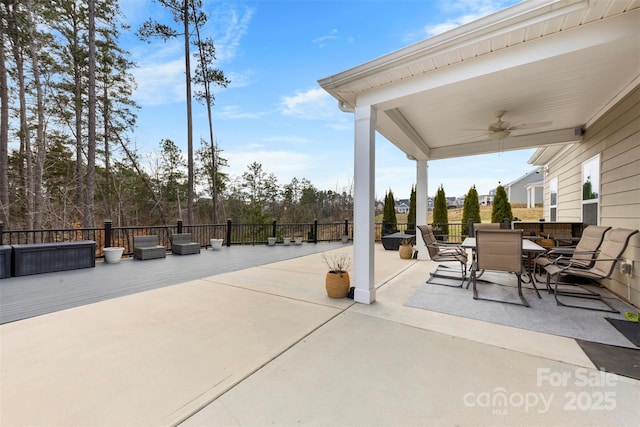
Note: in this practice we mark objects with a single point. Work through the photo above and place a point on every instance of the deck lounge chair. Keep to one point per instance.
(499, 250)
(614, 244)
(181, 244)
(147, 247)
(444, 252)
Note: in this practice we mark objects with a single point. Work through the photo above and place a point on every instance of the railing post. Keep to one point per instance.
(471, 232)
(273, 228)
(229, 232)
(315, 231)
(107, 233)
(179, 226)
(346, 227)
(1, 228)
(506, 224)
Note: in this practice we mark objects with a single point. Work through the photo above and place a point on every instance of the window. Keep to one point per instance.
(553, 203)
(590, 190)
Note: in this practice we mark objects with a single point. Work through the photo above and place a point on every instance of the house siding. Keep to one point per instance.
(616, 138)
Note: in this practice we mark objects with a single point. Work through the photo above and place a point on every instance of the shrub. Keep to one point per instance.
(389, 214)
(501, 206)
(471, 210)
(440, 212)
(411, 218)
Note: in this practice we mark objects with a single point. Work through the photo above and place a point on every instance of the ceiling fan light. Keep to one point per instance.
(499, 134)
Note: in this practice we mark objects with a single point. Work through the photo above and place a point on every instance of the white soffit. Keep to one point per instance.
(557, 61)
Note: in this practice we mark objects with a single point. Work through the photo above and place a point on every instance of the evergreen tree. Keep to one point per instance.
(471, 210)
(501, 206)
(389, 221)
(440, 213)
(411, 218)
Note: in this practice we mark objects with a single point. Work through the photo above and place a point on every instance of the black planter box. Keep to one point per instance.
(5, 261)
(49, 257)
(392, 242)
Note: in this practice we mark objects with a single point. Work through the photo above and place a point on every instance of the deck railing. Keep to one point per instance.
(232, 233)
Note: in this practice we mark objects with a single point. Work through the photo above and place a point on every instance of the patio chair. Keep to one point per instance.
(484, 226)
(500, 250)
(581, 255)
(181, 244)
(444, 252)
(614, 244)
(147, 247)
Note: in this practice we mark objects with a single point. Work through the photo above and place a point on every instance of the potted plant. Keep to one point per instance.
(271, 241)
(113, 255)
(297, 240)
(405, 249)
(286, 241)
(337, 281)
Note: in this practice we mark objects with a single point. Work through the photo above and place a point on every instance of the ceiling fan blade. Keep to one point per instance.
(530, 125)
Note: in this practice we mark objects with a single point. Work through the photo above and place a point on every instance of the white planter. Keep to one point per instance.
(271, 241)
(286, 241)
(113, 255)
(297, 240)
(345, 239)
(216, 244)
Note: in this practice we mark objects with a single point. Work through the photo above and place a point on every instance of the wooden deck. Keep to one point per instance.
(35, 295)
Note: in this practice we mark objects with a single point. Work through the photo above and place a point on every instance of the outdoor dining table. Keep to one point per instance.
(529, 247)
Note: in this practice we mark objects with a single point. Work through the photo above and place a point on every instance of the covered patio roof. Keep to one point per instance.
(553, 66)
(548, 68)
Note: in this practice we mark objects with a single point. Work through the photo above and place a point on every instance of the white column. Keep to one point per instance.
(422, 210)
(363, 205)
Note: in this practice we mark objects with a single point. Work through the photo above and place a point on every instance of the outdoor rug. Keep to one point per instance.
(610, 358)
(629, 329)
(543, 315)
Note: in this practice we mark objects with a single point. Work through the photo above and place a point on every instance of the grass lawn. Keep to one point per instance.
(455, 215)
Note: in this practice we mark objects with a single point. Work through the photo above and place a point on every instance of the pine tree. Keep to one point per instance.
(501, 206)
(389, 221)
(471, 210)
(440, 213)
(411, 217)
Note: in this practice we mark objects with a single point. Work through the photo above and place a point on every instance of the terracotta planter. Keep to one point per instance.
(405, 251)
(337, 284)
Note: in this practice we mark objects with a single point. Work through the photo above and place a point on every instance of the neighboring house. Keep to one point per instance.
(402, 206)
(527, 189)
(485, 199)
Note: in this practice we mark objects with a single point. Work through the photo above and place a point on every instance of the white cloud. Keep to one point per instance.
(160, 83)
(234, 112)
(463, 12)
(232, 25)
(313, 104)
(321, 41)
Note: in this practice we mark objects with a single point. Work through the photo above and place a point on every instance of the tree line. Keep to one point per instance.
(67, 116)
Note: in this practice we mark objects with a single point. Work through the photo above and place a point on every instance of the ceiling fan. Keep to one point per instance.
(501, 129)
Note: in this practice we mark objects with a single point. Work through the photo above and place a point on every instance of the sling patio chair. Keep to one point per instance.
(614, 244)
(444, 252)
(499, 251)
(581, 255)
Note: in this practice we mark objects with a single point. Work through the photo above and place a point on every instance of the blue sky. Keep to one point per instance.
(274, 111)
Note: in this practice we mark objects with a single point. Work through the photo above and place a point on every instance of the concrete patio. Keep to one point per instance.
(265, 345)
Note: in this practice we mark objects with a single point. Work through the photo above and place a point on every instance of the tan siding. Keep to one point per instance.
(616, 137)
